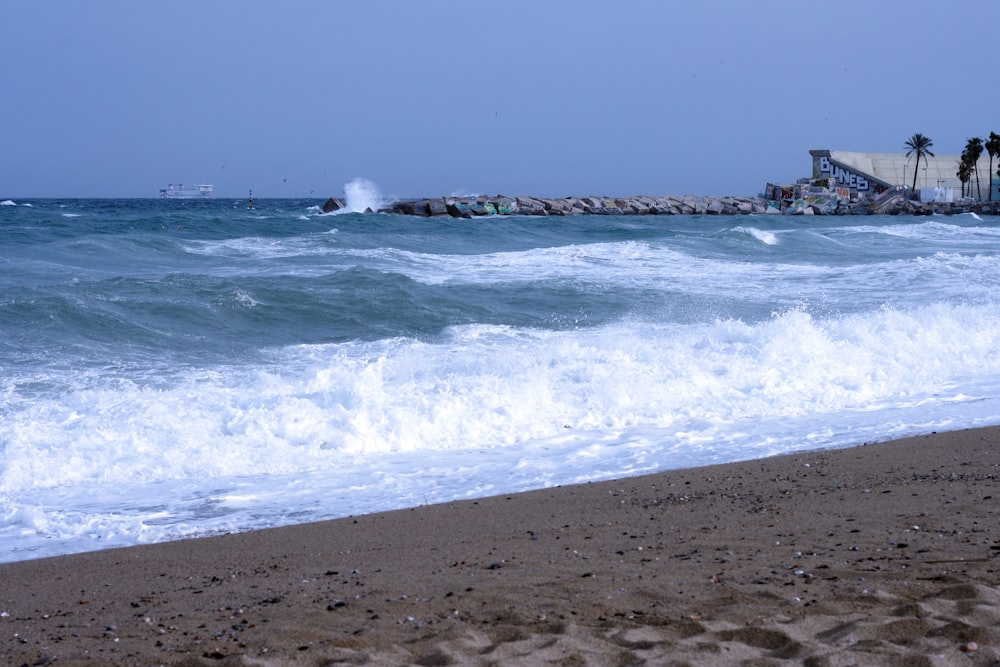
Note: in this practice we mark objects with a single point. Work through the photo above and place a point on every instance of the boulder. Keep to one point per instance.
(529, 206)
(437, 207)
(459, 209)
(640, 206)
(414, 208)
(333, 204)
(558, 207)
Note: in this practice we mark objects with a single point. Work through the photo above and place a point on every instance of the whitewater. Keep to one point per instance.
(172, 369)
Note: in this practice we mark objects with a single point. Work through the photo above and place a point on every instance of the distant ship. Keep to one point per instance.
(186, 191)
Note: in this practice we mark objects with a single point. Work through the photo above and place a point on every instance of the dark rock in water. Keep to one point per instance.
(415, 208)
(333, 204)
(437, 207)
(530, 206)
(532, 210)
(602, 210)
(458, 209)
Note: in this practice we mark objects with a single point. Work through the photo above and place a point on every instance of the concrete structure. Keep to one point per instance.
(938, 195)
(873, 173)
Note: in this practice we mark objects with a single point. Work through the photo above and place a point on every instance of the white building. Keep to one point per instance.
(873, 173)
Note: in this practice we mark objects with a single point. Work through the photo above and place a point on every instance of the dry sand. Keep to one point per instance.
(882, 554)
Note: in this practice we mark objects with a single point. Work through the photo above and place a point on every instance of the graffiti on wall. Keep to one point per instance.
(779, 192)
(843, 176)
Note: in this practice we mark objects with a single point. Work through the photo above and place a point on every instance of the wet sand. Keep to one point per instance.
(881, 554)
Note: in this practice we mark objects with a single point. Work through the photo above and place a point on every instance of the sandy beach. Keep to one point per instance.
(881, 554)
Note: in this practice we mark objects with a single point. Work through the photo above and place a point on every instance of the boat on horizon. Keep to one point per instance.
(180, 191)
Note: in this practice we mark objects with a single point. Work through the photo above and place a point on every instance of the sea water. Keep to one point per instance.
(182, 368)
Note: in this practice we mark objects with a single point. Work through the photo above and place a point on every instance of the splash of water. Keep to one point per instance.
(361, 195)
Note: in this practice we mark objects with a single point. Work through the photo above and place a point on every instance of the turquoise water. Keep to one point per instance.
(177, 368)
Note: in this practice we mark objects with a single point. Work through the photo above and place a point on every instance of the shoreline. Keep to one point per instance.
(877, 554)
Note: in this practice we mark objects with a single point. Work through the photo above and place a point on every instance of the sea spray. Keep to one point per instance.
(361, 195)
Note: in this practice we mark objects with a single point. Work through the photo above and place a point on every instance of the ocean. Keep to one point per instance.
(180, 368)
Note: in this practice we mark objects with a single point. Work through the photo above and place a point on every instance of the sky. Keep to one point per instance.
(548, 98)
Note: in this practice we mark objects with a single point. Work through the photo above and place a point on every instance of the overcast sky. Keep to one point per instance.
(118, 98)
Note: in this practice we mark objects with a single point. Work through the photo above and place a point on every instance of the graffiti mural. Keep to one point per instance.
(843, 176)
(779, 192)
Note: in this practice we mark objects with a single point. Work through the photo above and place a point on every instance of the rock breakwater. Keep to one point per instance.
(470, 207)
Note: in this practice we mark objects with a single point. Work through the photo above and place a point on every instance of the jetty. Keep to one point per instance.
(891, 202)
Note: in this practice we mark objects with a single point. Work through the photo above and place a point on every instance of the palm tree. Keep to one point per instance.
(973, 151)
(993, 148)
(919, 145)
(964, 173)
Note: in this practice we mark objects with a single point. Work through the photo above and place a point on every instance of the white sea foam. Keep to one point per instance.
(765, 237)
(8, 202)
(337, 429)
(931, 230)
(645, 265)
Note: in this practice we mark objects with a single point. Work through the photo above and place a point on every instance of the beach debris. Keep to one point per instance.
(970, 647)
